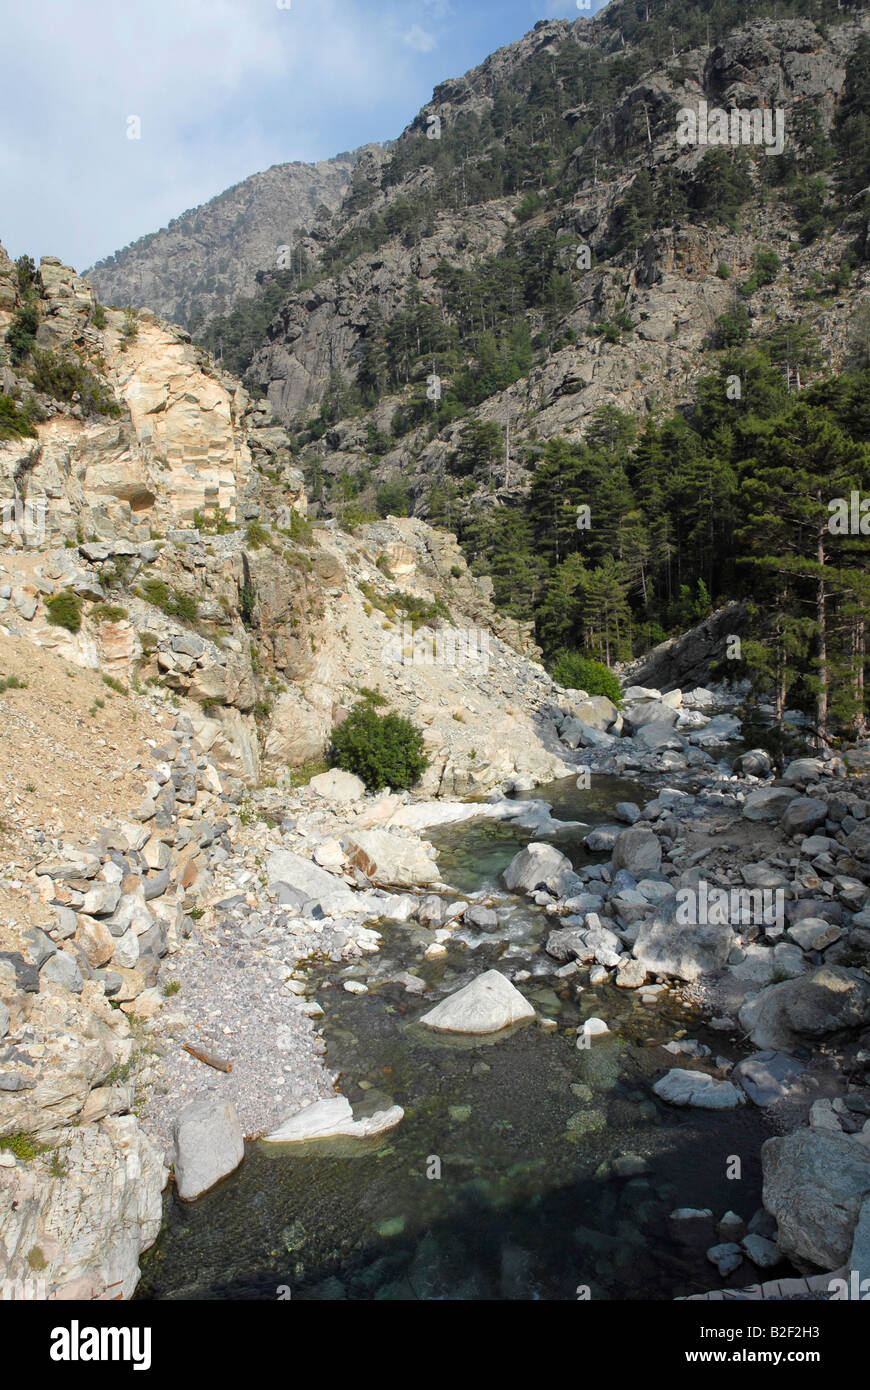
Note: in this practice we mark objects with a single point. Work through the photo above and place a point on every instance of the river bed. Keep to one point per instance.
(499, 1183)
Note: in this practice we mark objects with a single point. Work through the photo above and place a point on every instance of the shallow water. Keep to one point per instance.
(498, 1183)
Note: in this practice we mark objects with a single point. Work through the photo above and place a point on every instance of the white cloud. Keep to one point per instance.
(419, 39)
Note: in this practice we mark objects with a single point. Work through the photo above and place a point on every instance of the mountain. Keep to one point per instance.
(205, 259)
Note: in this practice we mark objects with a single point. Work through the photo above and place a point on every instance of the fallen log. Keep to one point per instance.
(219, 1063)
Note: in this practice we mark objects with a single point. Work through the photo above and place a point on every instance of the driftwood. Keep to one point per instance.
(219, 1063)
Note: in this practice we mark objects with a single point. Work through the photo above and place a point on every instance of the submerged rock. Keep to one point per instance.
(697, 1089)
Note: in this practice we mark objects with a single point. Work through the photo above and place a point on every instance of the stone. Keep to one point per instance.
(95, 940)
(308, 880)
(592, 1028)
(756, 763)
(389, 859)
(486, 1005)
(101, 900)
(627, 811)
(762, 1252)
(803, 815)
(4, 1020)
(638, 851)
(209, 1144)
(819, 1004)
(538, 865)
(602, 839)
(815, 1184)
(337, 786)
(631, 974)
(767, 803)
(62, 969)
(484, 918)
(685, 950)
(803, 770)
(331, 1118)
(697, 1090)
(768, 1076)
(814, 934)
(726, 1257)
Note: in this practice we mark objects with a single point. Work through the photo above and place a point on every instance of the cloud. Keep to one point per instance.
(419, 39)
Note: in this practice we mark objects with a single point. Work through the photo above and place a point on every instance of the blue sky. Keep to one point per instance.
(222, 88)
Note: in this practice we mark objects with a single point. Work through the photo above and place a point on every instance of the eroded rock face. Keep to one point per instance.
(90, 1226)
(815, 1182)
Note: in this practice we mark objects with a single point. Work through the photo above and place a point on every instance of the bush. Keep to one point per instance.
(21, 334)
(384, 750)
(64, 377)
(108, 613)
(175, 604)
(65, 610)
(14, 423)
(578, 672)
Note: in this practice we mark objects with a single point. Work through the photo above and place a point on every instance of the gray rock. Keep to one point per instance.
(815, 1183)
(721, 729)
(627, 811)
(685, 950)
(101, 900)
(756, 763)
(803, 815)
(726, 1257)
(337, 786)
(602, 838)
(4, 1020)
(819, 1004)
(767, 803)
(859, 1256)
(487, 1005)
(814, 934)
(484, 918)
(768, 1076)
(62, 969)
(762, 1252)
(209, 1144)
(39, 946)
(803, 770)
(658, 737)
(638, 851)
(697, 1090)
(538, 865)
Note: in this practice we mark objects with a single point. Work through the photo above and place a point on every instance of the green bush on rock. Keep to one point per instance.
(578, 672)
(384, 750)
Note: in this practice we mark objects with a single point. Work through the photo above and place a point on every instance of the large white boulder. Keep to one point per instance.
(487, 1005)
(209, 1144)
(390, 859)
(331, 1118)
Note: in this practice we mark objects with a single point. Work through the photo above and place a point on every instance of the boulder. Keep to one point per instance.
(767, 1077)
(331, 1118)
(538, 865)
(819, 1004)
(684, 950)
(803, 815)
(697, 1090)
(756, 763)
(803, 770)
(815, 1183)
(337, 786)
(307, 880)
(767, 803)
(388, 859)
(208, 1145)
(487, 1005)
(638, 851)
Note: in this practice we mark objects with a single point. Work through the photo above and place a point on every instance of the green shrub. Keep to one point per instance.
(384, 750)
(174, 603)
(12, 683)
(14, 423)
(578, 672)
(21, 334)
(256, 535)
(99, 316)
(65, 610)
(108, 613)
(63, 376)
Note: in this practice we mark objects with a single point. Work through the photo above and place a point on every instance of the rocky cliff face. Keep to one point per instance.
(206, 258)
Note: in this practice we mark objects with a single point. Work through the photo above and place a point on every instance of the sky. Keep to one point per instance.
(221, 89)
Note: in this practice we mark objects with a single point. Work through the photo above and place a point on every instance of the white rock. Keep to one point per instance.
(327, 1119)
(487, 1005)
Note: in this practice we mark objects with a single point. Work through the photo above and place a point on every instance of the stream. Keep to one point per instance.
(499, 1182)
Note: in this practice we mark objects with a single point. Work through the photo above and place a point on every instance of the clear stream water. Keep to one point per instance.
(522, 1126)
